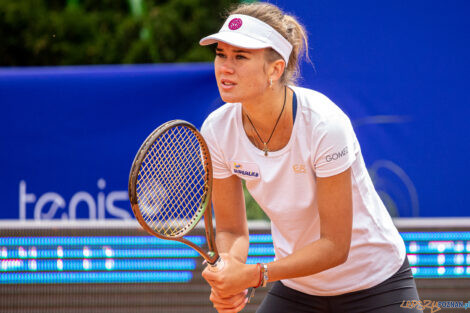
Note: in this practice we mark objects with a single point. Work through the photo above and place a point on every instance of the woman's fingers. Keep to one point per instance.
(231, 300)
(232, 304)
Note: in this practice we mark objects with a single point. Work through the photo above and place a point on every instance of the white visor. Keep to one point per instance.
(250, 33)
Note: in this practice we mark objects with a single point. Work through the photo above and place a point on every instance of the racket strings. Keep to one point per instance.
(171, 185)
(181, 188)
(174, 179)
(173, 215)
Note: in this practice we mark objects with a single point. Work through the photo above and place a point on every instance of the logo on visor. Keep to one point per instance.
(235, 24)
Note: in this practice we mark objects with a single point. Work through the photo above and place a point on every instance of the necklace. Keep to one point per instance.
(265, 148)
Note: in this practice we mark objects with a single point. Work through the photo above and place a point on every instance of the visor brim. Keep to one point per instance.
(234, 39)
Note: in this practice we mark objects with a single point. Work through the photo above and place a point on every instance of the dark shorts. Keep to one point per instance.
(386, 297)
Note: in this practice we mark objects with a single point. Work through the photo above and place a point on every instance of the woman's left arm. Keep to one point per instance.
(334, 196)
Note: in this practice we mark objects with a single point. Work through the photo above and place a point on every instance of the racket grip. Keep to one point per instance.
(217, 266)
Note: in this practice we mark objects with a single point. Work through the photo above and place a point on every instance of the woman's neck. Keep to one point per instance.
(264, 110)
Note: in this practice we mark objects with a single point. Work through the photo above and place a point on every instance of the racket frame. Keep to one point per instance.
(212, 255)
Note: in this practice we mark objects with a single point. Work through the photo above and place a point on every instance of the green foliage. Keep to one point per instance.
(72, 32)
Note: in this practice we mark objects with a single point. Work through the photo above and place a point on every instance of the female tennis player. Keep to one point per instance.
(336, 248)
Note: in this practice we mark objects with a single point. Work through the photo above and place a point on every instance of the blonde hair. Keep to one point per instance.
(288, 27)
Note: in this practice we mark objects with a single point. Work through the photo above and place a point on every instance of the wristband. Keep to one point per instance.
(260, 282)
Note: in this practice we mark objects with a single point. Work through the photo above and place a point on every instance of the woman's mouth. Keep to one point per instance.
(227, 84)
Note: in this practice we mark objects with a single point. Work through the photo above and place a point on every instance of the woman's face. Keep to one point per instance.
(240, 73)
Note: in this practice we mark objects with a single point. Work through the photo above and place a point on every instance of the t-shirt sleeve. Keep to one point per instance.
(335, 148)
(219, 166)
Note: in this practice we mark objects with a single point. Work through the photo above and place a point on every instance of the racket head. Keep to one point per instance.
(170, 181)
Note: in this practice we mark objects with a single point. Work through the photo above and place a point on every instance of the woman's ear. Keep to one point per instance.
(276, 69)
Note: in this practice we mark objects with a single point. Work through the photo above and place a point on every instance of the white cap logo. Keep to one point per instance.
(235, 24)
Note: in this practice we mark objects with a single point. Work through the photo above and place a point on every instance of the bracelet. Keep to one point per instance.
(263, 279)
(260, 282)
(264, 271)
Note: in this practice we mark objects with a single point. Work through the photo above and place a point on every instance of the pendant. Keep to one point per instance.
(265, 149)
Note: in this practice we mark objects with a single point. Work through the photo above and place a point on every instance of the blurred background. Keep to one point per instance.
(82, 83)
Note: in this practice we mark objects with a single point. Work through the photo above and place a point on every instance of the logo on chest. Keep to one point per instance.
(246, 170)
(299, 169)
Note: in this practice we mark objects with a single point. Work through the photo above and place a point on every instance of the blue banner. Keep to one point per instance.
(69, 135)
(399, 69)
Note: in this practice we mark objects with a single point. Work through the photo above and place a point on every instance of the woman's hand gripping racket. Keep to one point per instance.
(170, 186)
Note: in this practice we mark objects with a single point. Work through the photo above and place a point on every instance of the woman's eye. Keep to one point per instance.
(219, 55)
(240, 57)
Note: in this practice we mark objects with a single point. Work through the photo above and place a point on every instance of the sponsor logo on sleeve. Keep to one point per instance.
(337, 155)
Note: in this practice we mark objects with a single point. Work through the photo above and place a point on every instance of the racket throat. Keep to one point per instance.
(217, 266)
(210, 236)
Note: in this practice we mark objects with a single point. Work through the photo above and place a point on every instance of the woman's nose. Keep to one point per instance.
(227, 67)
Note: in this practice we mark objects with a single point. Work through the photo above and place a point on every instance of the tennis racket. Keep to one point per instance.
(170, 186)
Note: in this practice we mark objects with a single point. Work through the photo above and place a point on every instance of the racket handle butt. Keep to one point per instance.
(217, 266)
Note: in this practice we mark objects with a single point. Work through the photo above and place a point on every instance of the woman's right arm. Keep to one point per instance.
(232, 235)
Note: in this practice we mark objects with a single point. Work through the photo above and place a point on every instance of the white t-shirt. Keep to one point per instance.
(322, 144)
